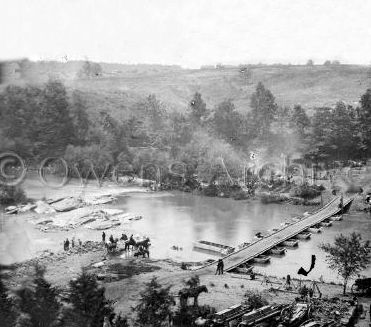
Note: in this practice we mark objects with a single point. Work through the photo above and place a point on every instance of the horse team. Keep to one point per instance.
(141, 247)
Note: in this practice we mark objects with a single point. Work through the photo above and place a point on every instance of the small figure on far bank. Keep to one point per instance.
(66, 245)
(288, 282)
(104, 237)
(73, 242)
(80, 243)
(220, 267)
(111, 239)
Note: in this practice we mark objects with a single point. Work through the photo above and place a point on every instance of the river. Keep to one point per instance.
(180, 218)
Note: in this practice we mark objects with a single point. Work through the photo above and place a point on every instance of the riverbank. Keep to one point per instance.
(125, 277)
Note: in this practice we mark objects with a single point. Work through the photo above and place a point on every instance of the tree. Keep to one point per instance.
(365, 120)
(227, 122)
(348, 256)
(198, 109)
(154, 308)
(8, 314)
(320, 136)
(54, 130)
(80, 119)
(342, 135)
(89, 161)
(300, 119)
(89, 303)
(39, 301)
(90, 70)
(310, 62)
(37, 120)
(327, 63)
(264, 109)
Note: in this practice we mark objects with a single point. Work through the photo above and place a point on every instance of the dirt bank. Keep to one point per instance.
(124, 277)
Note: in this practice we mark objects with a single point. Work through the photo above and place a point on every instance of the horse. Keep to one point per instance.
(111, 247)
(194, 292)
(145, 243)
(142, 251)
(131, 242)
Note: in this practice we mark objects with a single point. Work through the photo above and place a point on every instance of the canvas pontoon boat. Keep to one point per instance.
(214, 247)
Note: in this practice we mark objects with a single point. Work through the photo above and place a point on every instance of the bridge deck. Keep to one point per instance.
(234, 259)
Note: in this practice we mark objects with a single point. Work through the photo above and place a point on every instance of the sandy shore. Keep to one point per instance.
(36, 190)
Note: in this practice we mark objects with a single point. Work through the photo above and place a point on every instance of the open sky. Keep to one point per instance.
(187, 32)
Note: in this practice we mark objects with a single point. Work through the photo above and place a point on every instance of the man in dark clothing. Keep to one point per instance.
(111, 239)
(67, 244)
(104, 237)
(288, 282)
(219, 267)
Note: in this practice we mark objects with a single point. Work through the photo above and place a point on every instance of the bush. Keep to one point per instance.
(11, 195)
(273, 198)
(306, 192)
(254, 300)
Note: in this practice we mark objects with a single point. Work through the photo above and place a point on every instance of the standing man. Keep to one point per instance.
(222, 266)
(104, 237)
(218, 268)
(111, 239)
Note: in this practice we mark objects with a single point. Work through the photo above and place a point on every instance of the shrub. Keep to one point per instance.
(305, 191)
(254, 300)
(11, 195)
(272, 198)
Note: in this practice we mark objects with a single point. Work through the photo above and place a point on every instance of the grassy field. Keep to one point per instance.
(120, 86)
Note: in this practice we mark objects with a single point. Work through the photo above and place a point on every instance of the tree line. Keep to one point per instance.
(40, 122)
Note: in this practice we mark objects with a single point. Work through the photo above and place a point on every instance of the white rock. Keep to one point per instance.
(42, 207)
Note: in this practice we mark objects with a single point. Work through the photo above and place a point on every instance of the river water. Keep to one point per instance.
(180, 218)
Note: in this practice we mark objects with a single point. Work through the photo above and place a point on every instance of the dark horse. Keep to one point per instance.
(194, 292)
(145, 243)
(111, 247)
(142, 251)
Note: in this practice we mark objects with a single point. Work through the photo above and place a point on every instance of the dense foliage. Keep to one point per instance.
(213, 143)
(38, 303)
(154, 308)
(11, 195)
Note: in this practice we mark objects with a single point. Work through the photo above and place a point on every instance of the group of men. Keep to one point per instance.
(66, 243)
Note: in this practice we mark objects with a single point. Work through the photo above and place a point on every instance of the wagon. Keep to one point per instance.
(361, 286)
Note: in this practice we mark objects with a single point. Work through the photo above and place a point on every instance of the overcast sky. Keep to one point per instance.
(187, 32)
